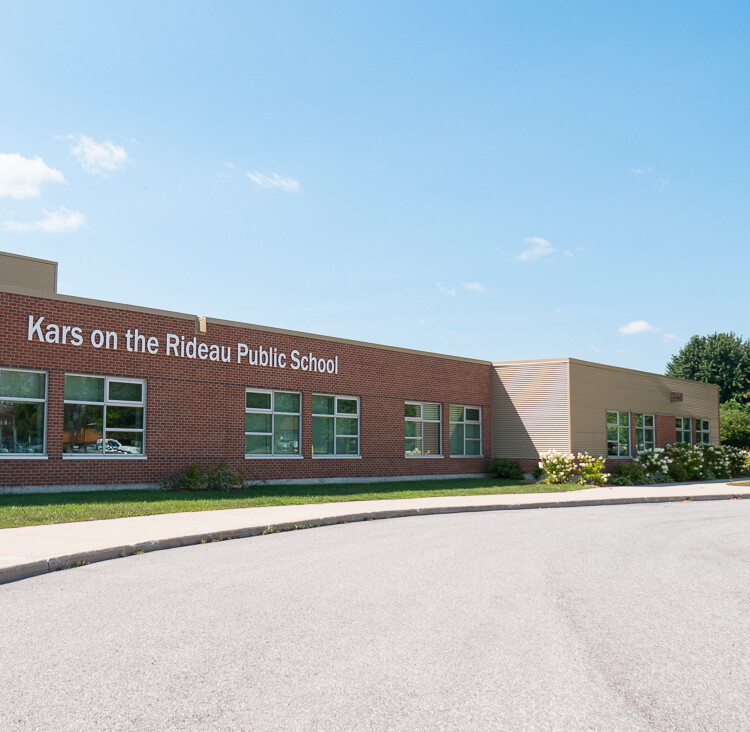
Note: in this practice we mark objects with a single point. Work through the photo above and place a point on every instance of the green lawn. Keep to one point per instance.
(58, 508)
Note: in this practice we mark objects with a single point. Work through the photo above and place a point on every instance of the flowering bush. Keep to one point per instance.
(686, 461)
(654, 461)
(563, 467)
(591, 470)
(739, 460)
(558, 467)
(715, 461)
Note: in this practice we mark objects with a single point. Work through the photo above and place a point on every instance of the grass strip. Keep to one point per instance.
(56, 508)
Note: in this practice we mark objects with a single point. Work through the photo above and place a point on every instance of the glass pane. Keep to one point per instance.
(456, 413)
(648, 420)
(124, 443)
(639, 420)
(456, 439)
(431, 438)
(286, 435)
(82, 428)
(21, 427)
(472, 415)
(124, 418)
(285, 402)
(413, 447)
(257, 422)
(623, 418)
(472, 431)
(322, 404)
(84, 388)
(472, 447)
(122, 391)
(322, 429)
(346, 426)
(611, 417)
(347, 406)
(257, 400)
(21, 384)
(611, 448)
(612, 434)
(413, 410)
(347, 446)
(257, 444)
(430, 411)
(413, 429)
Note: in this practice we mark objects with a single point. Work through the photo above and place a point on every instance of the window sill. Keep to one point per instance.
(423, 457)
(463, 457)
(104, 457)
(336, 457)
(21, 456)
(273, 457)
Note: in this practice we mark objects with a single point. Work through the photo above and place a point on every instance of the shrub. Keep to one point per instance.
(653, 461)
(630, 473)
(558, 467)
(505, 469)
(735, 423)
(686, 462)
(716, 462)
(590, 469)
(223, 478)
(195, 479)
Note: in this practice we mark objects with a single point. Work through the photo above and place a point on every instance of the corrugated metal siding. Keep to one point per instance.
(596, 388)
(530, 408)
(31, 274)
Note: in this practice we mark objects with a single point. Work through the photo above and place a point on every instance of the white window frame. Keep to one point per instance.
(420, 419)
(466, 439)
(619, 426)
(681, 429)
(646, 445)
(335, 417)
(258, 410)
(703, 430)
(25, 400)
(104, 455)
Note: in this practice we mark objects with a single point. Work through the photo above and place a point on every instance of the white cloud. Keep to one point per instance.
(98, 158)
(594, 348)
(568, 253)
(640, 172)
(474, 286)
(670, 337)
(21, 177)
(635, 327)
(540, 248)
(445, 290)
(53, 223)
(289, 185)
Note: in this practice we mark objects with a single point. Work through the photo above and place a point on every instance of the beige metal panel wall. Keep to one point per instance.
(28, 273)
(595, 388)
(530, 408)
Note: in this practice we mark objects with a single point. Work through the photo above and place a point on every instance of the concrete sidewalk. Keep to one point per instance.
(33, 550)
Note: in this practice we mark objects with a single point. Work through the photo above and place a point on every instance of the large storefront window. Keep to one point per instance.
(335, 425)
(618, 434)
(422, 428)
(272, 423)
(23, 399)
(103, 416)
(465, 429)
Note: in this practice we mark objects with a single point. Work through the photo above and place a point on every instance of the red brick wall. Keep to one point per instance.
(195, 410)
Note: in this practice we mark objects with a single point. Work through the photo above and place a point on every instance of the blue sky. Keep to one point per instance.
(487, 179)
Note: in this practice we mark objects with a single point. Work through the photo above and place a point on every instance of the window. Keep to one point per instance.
(422, 428)
(702, 431)
(23, 399)
(618, 434)
(103, 416)
(684, 430)
(272, 423)
(335, 425)
(645, 435)
(465, 429)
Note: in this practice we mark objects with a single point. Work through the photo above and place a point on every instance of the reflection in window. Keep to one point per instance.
(465, 428)
(335, 425)
(103, 416)
(422, 428)
(272, 422)
(22, 409)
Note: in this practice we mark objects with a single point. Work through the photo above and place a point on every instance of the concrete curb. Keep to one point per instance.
(78, 559)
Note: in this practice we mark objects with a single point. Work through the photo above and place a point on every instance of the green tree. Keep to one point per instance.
(735, 424)
(722, 359)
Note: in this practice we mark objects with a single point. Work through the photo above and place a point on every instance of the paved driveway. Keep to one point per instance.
(596, 618)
